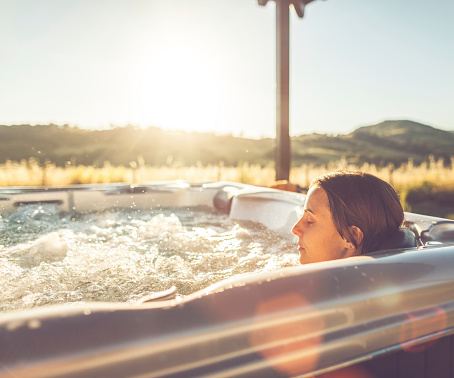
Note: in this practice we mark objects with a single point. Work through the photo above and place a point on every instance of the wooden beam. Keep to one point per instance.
(282, 90)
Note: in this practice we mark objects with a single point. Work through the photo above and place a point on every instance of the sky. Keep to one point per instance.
(209, 65)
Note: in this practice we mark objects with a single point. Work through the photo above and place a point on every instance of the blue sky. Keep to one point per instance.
(209, 65)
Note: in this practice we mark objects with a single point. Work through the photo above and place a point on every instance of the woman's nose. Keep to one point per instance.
(296, 230)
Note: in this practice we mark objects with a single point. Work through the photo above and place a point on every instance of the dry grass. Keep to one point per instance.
(430, 177)
(30, 173)
(403, 178)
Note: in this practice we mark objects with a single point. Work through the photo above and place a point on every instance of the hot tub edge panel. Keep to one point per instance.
(315, 311)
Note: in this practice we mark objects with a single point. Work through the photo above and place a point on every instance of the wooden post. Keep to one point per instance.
(282, 90)
(282, 81)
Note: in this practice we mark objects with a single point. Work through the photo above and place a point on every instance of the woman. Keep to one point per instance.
(346, 214)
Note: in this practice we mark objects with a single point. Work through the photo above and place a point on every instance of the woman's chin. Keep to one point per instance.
(303, 256)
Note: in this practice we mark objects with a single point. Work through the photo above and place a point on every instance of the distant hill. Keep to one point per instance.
(409, 133)
(120, 146)
(388, 142)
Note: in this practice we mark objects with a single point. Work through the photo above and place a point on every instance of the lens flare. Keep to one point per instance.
(288, 332)
(420, 324)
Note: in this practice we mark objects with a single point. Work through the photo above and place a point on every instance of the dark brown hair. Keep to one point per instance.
(365, 201)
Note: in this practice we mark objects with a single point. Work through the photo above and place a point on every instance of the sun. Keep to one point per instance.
(179, 90)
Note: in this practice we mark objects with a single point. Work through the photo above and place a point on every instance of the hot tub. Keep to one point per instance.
(388, 314)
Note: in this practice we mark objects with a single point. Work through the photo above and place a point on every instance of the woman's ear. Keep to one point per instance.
(358, 236)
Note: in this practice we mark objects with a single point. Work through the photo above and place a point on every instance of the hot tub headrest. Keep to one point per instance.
(404, 238)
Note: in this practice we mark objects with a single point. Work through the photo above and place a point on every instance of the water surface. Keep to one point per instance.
(120, 256)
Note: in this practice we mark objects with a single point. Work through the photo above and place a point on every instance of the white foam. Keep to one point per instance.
(123, 256)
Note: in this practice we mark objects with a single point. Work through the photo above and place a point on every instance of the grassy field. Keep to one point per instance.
(427, 188)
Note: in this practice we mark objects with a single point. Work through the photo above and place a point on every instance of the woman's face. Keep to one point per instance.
(318, 238)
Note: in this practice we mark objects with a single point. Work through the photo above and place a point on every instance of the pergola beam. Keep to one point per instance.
(283, 153)
(282, 90)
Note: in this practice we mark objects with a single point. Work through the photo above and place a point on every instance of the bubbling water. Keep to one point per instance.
(121, 256)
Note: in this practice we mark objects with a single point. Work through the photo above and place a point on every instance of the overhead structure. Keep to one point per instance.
(282, 81)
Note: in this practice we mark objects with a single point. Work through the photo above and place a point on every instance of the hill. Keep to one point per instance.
(388, 142)
(120, 146)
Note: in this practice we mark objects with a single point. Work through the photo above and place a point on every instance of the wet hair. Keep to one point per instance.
(365, 201)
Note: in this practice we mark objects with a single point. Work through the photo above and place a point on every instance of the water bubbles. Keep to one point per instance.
(38, 214)
(28, 222)
(159, 225)
(94, 288)
(122, 256)
(50, 247)
(30, 299)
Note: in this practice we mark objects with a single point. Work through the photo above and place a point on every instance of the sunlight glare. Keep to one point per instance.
(180, 91)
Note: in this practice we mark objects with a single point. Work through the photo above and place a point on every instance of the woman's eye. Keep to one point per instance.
(309, 218)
